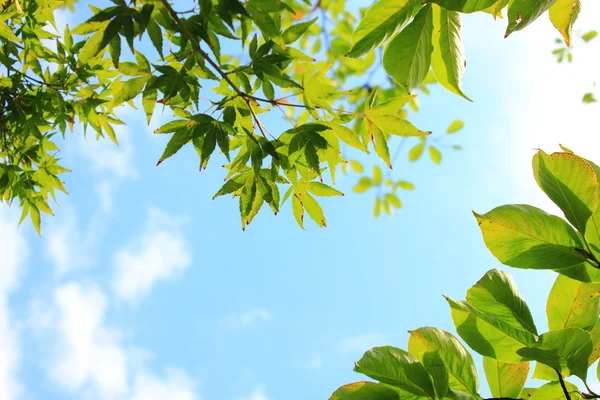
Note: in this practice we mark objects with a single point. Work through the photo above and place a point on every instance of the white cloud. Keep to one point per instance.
(88, 355)
(160, 253)
(70, 246)
(257, 394)
(361, 343)
(177, 386)
(89, 359)
(105, 157)
(13, 252)
(66, 245)
(315, 362)
(250, 317)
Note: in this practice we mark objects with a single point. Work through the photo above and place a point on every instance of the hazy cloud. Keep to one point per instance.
(160, 253)
(13, 252)
(361, 343)
(250, 317)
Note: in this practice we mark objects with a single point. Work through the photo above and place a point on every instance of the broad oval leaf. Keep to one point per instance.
(365, 391)
(552, 391)
(524, 236)
(487, 335)
(570, 182)
(497, 295)
(436, 367)
(381, 21)
(573, 304)
(408, 56)
(398, 368)
(565, 350)
(462, 374)
(448, 59)
(506, 380)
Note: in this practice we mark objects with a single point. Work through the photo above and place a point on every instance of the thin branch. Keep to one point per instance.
(196, 46)
(562, 384)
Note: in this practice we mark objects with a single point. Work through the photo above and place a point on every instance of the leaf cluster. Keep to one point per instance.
(289, 57)
(496, 322)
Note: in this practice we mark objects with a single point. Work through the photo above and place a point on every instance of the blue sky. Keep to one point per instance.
(142, 287)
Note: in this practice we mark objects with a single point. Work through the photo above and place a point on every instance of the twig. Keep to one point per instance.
(562, 384)
(196, 46)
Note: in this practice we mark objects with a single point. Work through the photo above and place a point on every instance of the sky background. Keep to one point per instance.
(142, 287)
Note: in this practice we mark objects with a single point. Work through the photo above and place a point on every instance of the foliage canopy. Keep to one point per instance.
(255, 56)
(495, 320)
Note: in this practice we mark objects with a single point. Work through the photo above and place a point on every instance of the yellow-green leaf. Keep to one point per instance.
(563, 15)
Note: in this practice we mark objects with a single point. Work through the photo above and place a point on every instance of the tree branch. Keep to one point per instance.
(562, 384)
(196, 46)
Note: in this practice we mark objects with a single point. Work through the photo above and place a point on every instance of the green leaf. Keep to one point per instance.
(415, 153)
(381, 21)
(455, 126)
(573, 304)
(523, 236)
(544, 372)
(448, 59)
(398, 368)
(435, 366)
(392, 199)
(435, 155)
(297, 210)
(91, 47)
(294, 32)
(156, 37)
(356, 166)
(348, 136)
(173, 126)
(552, 391)
(566, 350)
(268, 89)
(365, 391)
(523, 12)
(395, 125)
(232, 185)
(496, 294)
(570, 182)
(130, 89)
(462, 374)
(265, 22)
(180, 138)
(464, 6)
(405, 185)
(322, 190)
(589, 36)
(149, 102)
(314, 210)
(364, 184)
(589, 98)
(505, 380)
(114, 47)
(563, 14)
(381, 146)
(487, 335)
(377, 175)
(8, 33)
(408, 56)
(390, 107)
(34, 214)
(494, 321)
